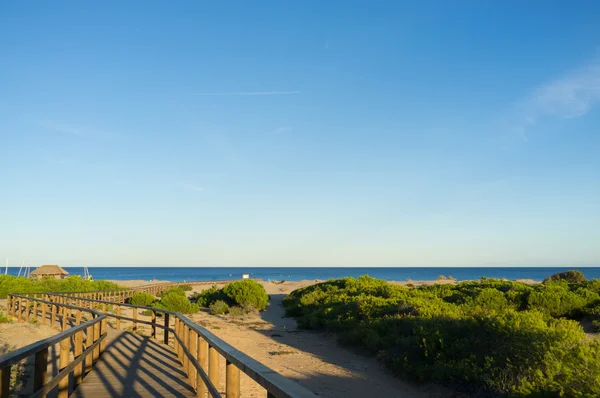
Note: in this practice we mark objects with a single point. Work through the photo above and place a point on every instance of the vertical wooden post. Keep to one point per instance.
(5, 382)
(118, 315)
(89, 340)
(64, 318)
(202, 357)
(213, 365)
(176, 333)
(135, 316)
(44, 309)
(166, 335)
(40, 372)
(232, 381)
(53, 316)
(34, 310)
(103, 330)
(153, 324)
(77, 350)
(186, 344)
(26, 310)
(63, 384)
(193, 347)
(96, 337)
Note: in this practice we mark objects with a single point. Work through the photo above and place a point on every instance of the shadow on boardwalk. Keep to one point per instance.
(135, 366)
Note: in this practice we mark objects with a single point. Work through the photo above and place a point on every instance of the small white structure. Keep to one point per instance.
(245, 276)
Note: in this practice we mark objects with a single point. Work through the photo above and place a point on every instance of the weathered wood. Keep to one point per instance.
(135, 316)
(44, 309)
(202, 359)
(63, 384)
(64, 319)
(40, 372)
(89, 340)
(166, 335)
(232, 381)
(118, 319)
(77, 351)
(5, 382)
(193, 346)
(53, 316)
(153, 324)
(213, 365)
(186, 340)
(96, 337)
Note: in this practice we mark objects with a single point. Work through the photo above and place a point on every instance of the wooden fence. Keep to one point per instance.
(198, 350)
(85, 340)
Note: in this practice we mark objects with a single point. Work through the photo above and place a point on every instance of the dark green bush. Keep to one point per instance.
(178, 303)
(175, 290)
(571, 276)
(143, 299)
(247, 293)
(219, 307)
(489, 337)
(13, 284)
(209, 296)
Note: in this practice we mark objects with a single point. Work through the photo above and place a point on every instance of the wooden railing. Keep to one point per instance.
(198, 350)
(86, 340)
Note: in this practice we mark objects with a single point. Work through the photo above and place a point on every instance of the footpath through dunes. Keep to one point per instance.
(96, 357)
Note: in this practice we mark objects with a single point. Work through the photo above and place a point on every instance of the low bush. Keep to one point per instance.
(178, 303)
(247, 293)
(143, 299)
(219, 307)
(4, 318)
(185, 287)
(14, 284)
(175, 290)
(488, 337)
(236, 311)
(209, 296)
(571, 276)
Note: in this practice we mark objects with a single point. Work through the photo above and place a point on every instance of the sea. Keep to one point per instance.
(180, 274)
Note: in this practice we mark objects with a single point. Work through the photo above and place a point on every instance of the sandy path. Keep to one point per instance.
(313, 359)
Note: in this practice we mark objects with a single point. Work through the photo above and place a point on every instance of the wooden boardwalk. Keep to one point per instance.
(135, 366)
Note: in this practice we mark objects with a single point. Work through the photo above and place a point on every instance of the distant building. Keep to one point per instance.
(49, 271)
(245, 276)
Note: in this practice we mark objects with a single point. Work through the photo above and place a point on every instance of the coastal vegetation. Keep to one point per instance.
(235, 298)
(488, 337)
(173, 299)
(14, 284)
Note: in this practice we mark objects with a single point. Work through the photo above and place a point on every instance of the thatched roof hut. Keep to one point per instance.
(49, 271)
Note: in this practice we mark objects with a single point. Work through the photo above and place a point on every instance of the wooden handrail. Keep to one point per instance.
(39, 350)
(207, 346)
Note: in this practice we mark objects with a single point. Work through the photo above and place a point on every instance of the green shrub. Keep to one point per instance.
(4, 318)
(185, 287)
(236, 311)
(175, 290)
(209, 296)
(489, 337)
(178, 303)
(142, 299)
(571, 276)
(13, 284)
(247, 293)
(219, 307)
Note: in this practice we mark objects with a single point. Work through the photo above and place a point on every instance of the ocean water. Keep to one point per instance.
(179, 274)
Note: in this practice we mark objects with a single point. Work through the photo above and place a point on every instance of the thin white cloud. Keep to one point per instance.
(570, 96)
(76, 130)
(281, 130)
(249, 93)
(191, 186)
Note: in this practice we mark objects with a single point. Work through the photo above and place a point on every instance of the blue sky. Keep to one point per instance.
(300, 133)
